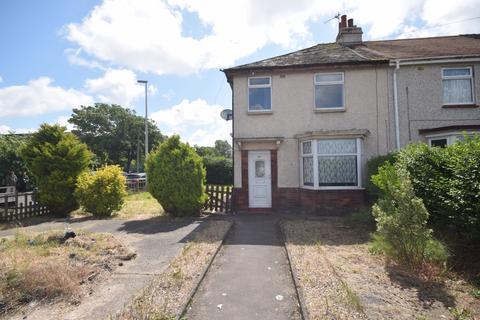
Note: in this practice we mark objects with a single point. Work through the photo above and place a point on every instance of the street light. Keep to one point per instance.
(145, 82)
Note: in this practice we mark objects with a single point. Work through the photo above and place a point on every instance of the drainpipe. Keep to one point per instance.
(395, 103)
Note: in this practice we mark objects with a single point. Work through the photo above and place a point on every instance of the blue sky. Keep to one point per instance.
(59, 54)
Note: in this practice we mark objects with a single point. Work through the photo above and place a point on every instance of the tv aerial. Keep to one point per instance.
(226, 114)
(337, 16)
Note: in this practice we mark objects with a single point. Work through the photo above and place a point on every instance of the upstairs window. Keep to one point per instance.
(457, 86)
(329, 91)
(259, 94)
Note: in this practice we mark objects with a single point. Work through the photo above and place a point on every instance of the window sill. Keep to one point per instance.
(459, 106)
(259, 112)
(332, 188)
(329, 110)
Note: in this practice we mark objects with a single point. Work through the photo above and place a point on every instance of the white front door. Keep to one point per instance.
(259, 179)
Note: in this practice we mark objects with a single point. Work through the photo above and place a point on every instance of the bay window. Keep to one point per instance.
(330, 163)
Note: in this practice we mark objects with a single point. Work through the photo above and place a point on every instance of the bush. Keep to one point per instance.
(401, 218)
(372, 169)
(56, 158)
(219, 170)
(448, 181)
(176, 177)
(101, 192)
(362, 218)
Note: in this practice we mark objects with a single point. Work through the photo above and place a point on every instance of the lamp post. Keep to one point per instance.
(145, 82)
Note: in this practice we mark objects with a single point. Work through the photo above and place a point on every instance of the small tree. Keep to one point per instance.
(56, 158)
(401, 218)
(101, 192)
(176, 177)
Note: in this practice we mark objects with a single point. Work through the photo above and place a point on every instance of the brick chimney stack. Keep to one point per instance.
(348, 34)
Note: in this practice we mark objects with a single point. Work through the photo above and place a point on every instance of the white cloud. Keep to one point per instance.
(117, 86)
(6, 129)
(150, 35)
(63, 121)
(74, 57)
(195, 121)
(39, 96)
(1, 79)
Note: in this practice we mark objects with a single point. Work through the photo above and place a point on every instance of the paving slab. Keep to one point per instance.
(250, 278)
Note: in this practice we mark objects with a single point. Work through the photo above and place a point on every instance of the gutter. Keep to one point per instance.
(395, 103)
(435, 60)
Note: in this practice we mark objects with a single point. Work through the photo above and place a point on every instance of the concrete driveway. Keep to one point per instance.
(156, 241)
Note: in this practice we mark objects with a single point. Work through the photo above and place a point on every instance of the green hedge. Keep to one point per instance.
(448, 181)
(219, 170)
(176, 177)
(372, 169)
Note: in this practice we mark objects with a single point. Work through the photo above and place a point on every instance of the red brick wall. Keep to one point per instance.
(321, 202)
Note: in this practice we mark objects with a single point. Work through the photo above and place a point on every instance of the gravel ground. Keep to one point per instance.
(340, 277)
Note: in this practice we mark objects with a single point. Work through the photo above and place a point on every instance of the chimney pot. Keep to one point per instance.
(344, 21)
(348, 36)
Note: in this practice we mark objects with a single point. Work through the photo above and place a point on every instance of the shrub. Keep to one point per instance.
(362, 218)
(219, 170)
(401, 218)
(448, 181)
(101, 192)
(176, 177)
(56, 158)
(372, 169)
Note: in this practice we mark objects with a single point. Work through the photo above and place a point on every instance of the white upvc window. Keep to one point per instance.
(329, 91)
(331, 163)
(259, 94)
(445, 139)
(457, 86)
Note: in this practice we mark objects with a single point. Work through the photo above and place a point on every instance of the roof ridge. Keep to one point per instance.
(422, 38)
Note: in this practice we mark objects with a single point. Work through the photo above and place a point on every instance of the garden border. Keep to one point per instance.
(185, 306)
(298, 289)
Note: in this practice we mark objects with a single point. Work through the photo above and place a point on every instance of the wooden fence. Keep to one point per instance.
(219, 198)
(137, 185)
(18, 206)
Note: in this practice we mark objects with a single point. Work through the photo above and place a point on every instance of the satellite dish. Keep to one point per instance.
(226, 114)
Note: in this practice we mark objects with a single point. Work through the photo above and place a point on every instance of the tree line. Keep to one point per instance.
(116, 135)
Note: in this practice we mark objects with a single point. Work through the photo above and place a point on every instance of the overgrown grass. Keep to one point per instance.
(140, 205)
(45, 267)
(169, 291)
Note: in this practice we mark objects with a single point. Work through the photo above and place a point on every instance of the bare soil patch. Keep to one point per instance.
(168, 292)
(341, 279)
(46, 268)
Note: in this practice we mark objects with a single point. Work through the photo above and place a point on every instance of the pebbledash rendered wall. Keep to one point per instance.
(293, 114)
(420, 101)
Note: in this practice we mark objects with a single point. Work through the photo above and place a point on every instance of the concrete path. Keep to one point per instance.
(155, 241)
(250, 278)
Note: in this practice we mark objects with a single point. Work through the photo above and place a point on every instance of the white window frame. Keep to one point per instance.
(259, 86)
(326, 83)
(452, 137)
(315, 164)
(470, 77)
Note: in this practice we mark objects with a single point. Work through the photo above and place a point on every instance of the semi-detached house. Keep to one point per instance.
(305, 123)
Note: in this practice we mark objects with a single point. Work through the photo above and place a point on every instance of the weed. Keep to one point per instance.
(352, 297)
(461, 314)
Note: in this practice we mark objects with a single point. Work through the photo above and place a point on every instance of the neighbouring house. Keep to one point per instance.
(305, 123)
